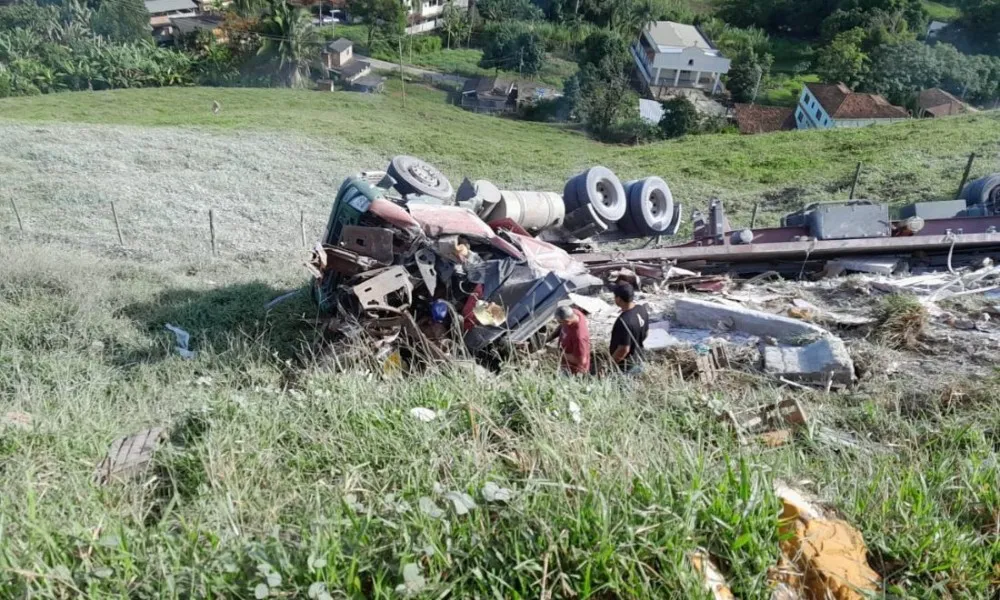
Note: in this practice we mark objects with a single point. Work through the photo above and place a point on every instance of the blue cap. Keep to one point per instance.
(439, 311)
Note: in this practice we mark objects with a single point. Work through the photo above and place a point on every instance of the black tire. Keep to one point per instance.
(651, 206)
(628, 224)
(602, 189)
(414, 176)
(583, 223)
(570, 199)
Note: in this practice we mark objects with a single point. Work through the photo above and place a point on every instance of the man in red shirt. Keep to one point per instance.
(574, 341)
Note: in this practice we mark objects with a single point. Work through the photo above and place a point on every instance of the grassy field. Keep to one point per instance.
(286, 480)
(941, 11)
(914, 161)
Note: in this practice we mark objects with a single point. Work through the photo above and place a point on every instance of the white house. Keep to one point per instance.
(823, 105)
(426, 15)
(672, 54)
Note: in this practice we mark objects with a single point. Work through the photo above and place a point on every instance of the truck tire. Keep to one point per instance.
(650, 206)
(600, 188)
(414, 176)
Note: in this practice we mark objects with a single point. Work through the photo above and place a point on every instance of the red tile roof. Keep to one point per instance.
(940, 103)
(841, 103)
(754, 118)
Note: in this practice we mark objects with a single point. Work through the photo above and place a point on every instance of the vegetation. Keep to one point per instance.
(284, 474)
(901, 321)
(748, 72)
(680, 118)
(290, 40)
(513, 48)
(843, 60)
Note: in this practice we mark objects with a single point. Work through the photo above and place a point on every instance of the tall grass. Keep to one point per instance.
(287, 479)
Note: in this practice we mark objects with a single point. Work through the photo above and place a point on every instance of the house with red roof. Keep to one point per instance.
(824, 106)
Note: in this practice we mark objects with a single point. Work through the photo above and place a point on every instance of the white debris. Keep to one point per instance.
(425, 415)
(462, 502)
(575, 412)
(183, 341)
(494, 493)
(430, 509)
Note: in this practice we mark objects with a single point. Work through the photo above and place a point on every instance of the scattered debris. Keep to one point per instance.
(702, 314)
(819, 362)
(462, 502)
(769, 422)
(878, 266)
(183, 341)
(494, 493)
(425, 415)
(714, 582)
(575, 413)
(129, 457)
(830, 554)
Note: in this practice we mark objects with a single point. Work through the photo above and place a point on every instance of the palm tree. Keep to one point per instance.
(290, 38)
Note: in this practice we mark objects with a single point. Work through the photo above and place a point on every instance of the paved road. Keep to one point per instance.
(382, 65)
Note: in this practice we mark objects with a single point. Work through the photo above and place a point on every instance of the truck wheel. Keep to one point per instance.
(651, 206)
(601, 189)
(414, 176)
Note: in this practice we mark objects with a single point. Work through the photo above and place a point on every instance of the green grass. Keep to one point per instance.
(921, 160)
(284, 473)
(784, 90)
(278, 465)
(941, 11)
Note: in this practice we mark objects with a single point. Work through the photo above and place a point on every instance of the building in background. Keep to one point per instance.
(936, 102)
(754, 118)
(674, 55)
(425, 15)
(824, 105)
(161, 13)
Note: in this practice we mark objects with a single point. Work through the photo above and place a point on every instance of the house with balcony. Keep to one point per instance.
(426, 15)
(675, 55)
(824, 106)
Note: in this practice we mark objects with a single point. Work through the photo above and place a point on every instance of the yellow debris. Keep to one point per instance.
(829, 552)
(715, 583)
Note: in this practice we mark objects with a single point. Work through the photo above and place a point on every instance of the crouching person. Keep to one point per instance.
(574, 341)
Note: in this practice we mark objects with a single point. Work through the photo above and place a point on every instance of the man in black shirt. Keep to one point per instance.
(629, 333)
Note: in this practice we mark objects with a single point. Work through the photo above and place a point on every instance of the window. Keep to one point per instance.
(806, 99)
(800, 116)
(819, 114)
(691, 62)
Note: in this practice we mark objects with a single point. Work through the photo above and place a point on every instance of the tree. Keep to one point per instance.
(680, 117)
(843, 60)
(982, 19)
(513, 49)
(747, 75)
(386, 15)
(607, 48)
(901, 70)
(509, 10)
(607, 101)
(290, 38)
(571, 97)
(122, 21)
(457, 24)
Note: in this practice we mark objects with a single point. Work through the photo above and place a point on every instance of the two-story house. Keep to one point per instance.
(426, 15)
(823, 106)
(670, 54)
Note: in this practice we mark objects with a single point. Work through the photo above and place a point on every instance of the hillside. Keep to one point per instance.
(913, 161)
(286, 479)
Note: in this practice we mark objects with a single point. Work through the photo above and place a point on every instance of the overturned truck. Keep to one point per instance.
(400, 259)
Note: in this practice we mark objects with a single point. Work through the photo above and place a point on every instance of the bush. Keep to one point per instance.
(630, 131)
(426, 44)
(680, 117)
(545, 111)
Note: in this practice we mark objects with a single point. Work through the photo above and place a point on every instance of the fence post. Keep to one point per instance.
(211, 228)
(965, 176)
(17, 215)
(302, 227)
(118, 227)
(753, 217)
(854, 184)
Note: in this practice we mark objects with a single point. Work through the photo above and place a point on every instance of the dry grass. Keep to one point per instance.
(902, 320)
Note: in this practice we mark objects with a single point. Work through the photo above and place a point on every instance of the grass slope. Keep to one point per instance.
(920, 160)
(283, 475)
(284, 479)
